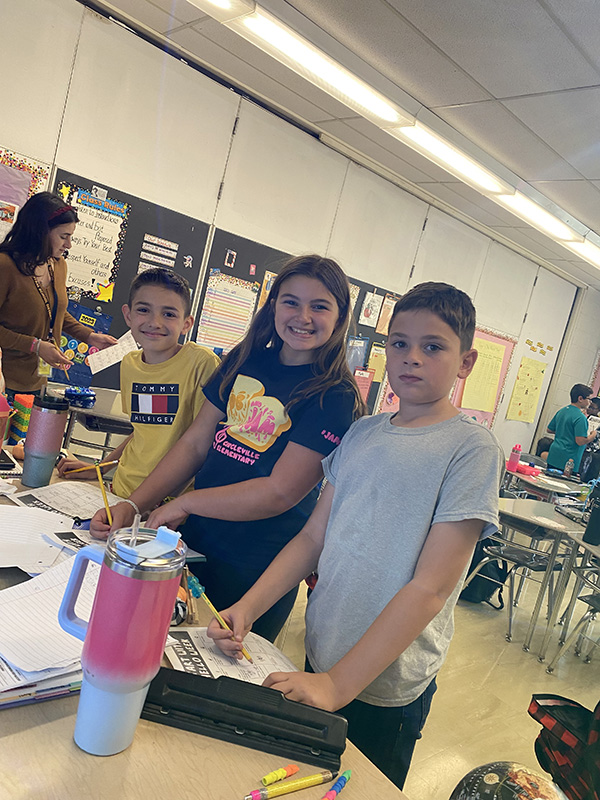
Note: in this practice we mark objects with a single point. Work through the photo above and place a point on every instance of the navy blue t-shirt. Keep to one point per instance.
(249, 442)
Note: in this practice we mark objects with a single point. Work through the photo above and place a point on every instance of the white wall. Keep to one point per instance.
(107, 105)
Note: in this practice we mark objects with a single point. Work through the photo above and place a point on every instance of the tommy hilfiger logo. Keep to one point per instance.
(154, 403)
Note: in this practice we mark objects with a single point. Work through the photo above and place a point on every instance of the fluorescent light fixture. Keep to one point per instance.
(297, 53)
(225, 10)
(532, 212)
(436, 149)
(586, 250)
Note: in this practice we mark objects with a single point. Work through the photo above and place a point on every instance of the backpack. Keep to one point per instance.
(568, 746)
(480, 589)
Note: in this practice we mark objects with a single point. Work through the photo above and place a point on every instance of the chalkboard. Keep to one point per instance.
(247, 263)
(118, 235)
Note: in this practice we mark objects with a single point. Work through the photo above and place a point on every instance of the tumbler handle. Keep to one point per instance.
(67, 618)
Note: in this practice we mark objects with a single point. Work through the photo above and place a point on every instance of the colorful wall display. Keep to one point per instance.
(480, 394)
(227, 311)
(80, 374)
(527, 389)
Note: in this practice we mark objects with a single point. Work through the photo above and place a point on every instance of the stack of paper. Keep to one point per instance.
(39, 660)
(21, 538)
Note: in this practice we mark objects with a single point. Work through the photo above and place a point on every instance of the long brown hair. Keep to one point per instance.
(330, 367)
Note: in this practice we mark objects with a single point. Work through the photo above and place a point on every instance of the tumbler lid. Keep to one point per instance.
(51, 402)
(157, 555)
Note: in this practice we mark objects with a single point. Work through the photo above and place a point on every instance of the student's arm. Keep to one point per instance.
(586, 439)
(297, 470)
(69, 463)
(172, 472)
(297, 560)
(447, 550)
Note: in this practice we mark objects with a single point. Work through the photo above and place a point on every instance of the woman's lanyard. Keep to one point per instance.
(51, 311)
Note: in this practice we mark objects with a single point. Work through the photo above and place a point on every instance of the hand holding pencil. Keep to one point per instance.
(72, 468)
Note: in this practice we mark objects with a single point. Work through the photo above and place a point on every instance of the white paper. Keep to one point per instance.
(30, 637)
(21, 537)
(11, 678)
(112, 355)
(67, 497)
(190, 650)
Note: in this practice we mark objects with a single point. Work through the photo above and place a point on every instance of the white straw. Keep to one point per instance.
(134, 530)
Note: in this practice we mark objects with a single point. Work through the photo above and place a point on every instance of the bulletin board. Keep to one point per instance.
(595, 378)
(20, 177)
(118, 236)
(239, 275)
(478, 395)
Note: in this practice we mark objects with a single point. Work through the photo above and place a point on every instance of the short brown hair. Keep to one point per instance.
(447, 302)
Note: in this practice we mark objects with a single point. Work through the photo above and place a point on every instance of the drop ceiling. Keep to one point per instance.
(514, 82)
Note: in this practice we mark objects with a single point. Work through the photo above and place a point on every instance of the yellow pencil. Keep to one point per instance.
(104, 497)
(92, 466)
(223, 624)
(66, 371)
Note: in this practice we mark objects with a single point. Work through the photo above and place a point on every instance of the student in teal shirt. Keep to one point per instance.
(570, 426)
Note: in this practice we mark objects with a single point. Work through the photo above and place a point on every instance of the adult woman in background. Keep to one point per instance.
(33, 293)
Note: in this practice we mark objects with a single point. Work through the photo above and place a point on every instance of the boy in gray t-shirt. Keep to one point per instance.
(408, 496)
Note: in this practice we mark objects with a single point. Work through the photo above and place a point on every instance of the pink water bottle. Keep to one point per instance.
(125, 637)
(514, 458)
(44, 438)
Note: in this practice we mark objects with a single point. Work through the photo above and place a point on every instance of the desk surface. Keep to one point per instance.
(107, 405)
(549, 484)
(537, 512)
(38, 758)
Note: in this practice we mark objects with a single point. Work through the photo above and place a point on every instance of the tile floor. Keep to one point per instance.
(479, 712)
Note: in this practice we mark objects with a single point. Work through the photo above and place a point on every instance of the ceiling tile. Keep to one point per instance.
(511, 47)
(582, 198)
(492, 126)
(568, 122)
(381, 37)
(276, 84)
(581, 22)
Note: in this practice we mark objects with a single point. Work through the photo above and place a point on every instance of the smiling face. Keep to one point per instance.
(59, 239)
(423, 359)
(306, 314)
(157, 319)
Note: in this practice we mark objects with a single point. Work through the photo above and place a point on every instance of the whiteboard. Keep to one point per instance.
(504, 289)
(547, 316)
(37, 58)
(376, 229)
(281, 186)
(451, 252)
(141, 121)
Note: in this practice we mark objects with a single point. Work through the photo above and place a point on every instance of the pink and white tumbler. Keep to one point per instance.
(125, 637)
(44, 438)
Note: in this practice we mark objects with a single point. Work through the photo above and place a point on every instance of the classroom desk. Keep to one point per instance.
(38, 758)
(537, 517)
(107, 408)
(546, 487)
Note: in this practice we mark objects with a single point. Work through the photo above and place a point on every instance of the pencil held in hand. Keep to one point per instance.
(197, 590)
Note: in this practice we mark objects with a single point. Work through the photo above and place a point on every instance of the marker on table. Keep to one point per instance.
(198, 590)
(291, 786)
(338, 785)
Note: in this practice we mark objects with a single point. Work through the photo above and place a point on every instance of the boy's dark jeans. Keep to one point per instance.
(387, 735)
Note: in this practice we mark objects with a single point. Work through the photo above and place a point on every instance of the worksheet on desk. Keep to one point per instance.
(73, 499)
(191, 650)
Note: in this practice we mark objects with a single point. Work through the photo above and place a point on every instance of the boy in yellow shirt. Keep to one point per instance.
(161, 384)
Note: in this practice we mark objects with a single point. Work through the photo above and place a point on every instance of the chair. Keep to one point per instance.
(535, 460)
(580, 629)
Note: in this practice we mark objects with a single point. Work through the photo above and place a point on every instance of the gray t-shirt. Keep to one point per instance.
(391, 485)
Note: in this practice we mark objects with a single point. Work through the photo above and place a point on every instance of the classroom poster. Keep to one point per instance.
(387, 309)
(481, 387)
(354, 292)
(93, 261)
(356, 352)
(265, 288)
(371, 307)
(527, 390)
(8, 215)
(21, 177)
(377, 362)
(158, 252)
(227, 311)
(80, 373)
(364, 379)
